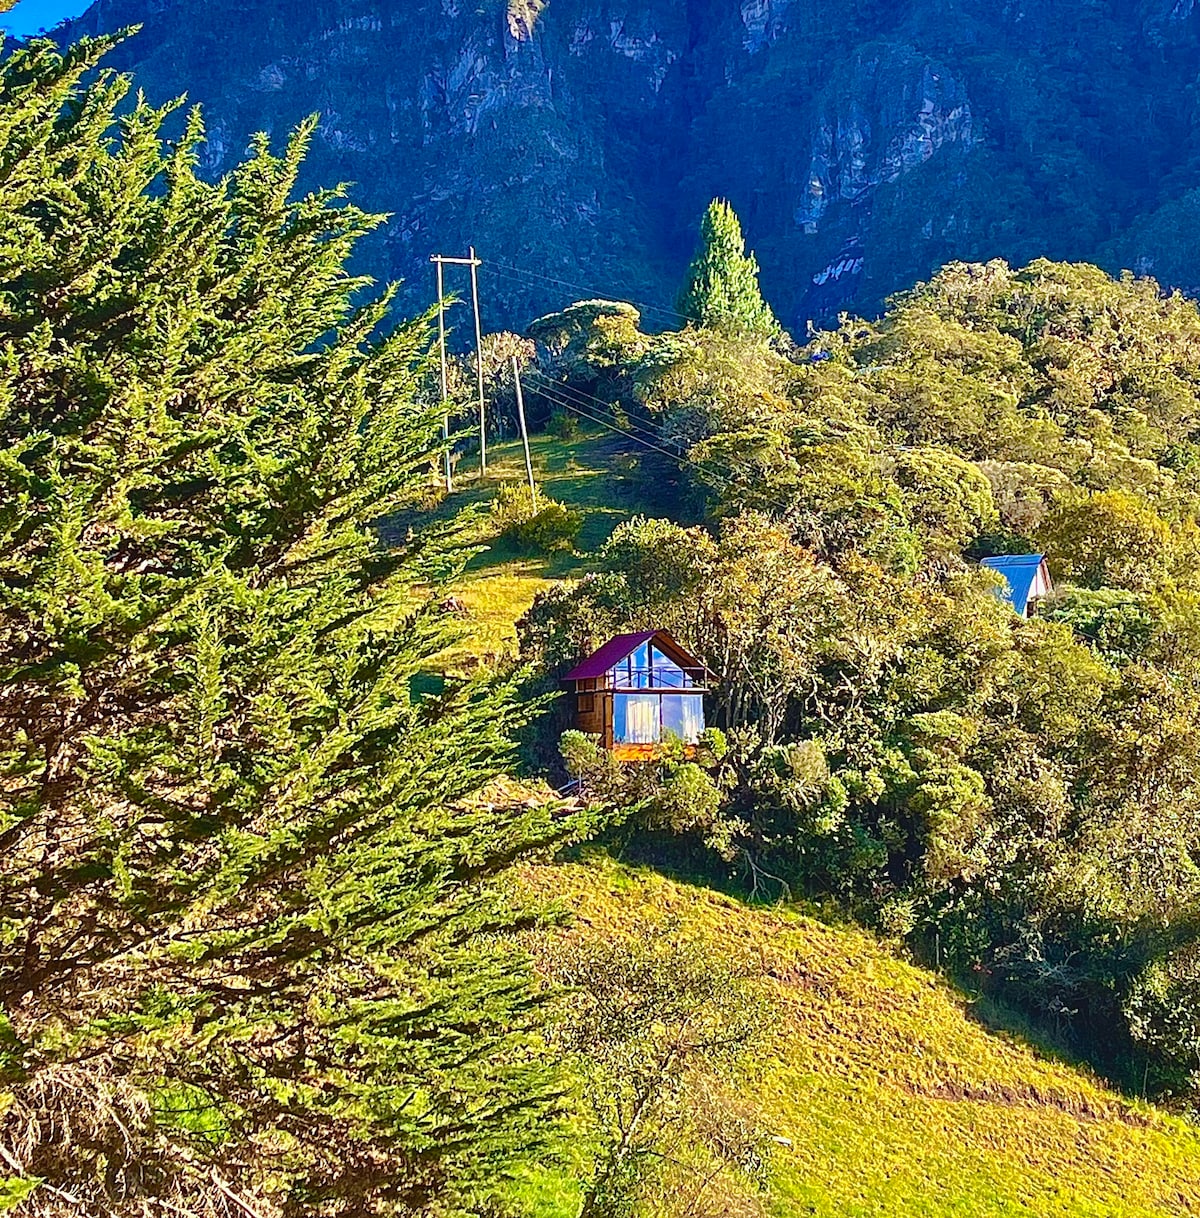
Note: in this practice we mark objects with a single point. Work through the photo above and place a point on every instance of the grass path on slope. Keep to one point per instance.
(589, 473)
(894, 1099)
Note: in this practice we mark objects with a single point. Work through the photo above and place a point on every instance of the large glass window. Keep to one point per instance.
(636, 719)
(683, 716)
(633, 672)
(648, 718)
(667, 674)
(647, 668)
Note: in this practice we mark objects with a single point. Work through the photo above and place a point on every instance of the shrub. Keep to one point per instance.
(512, 505)
(1163, 1012)
(1109, 539)
(587, 339)
(563, 425)
(543, 525)
(687, 800)
(554, 527)
(588, 762)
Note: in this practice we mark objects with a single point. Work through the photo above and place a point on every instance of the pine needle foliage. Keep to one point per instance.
(247, 960)
(722, 292)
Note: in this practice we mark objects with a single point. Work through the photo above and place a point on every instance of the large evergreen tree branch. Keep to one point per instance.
(247, 919)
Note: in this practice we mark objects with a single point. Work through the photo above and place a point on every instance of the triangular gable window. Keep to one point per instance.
(646, 667)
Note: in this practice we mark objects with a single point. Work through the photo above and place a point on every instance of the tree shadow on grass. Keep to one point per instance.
(1112, 1064)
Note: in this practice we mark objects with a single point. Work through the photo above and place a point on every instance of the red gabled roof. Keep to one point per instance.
(613, 652)
(618, 648)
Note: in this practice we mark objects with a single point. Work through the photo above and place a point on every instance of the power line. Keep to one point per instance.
(724, 480)
(589, 398)
(591, 418)
(681, 455)
(514, 272)
(504, 268)
(560, 390)
(564, 388)
(572, 394)
(575, 408)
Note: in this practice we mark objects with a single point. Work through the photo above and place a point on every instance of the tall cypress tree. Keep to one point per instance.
(721, 292)
(246, 909)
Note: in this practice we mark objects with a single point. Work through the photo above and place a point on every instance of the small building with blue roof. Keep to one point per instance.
(1026, 576)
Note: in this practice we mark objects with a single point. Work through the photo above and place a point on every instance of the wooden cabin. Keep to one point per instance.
(1026, 578)
(637, 691)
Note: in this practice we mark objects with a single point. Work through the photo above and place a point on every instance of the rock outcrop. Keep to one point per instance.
(575, 142)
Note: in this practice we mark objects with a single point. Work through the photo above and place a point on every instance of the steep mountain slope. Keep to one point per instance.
(886, 1096)
(864, 142)
(885, 1090)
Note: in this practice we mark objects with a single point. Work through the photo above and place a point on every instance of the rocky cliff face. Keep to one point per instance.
(574, 142)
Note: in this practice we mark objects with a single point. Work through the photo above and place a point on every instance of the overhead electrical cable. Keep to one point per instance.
(575, 408)
(589, 398)
(559, 387)
(515, 272)
(724, 480)
(591, 402)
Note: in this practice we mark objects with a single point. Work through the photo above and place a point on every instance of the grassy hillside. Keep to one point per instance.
(887, 1091)
(592, 473)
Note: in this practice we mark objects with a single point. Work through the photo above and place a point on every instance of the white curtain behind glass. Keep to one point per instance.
(693, 719)
(636, 719)
(683, 716)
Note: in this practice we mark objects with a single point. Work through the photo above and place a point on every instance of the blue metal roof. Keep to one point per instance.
(1019, 571)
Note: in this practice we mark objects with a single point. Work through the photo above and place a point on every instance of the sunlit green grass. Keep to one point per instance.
(888, 1096)
(590, 473)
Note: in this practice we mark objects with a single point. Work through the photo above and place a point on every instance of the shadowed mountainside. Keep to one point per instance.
(863, 143)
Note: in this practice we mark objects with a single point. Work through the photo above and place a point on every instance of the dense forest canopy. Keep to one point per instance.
(1021, 798)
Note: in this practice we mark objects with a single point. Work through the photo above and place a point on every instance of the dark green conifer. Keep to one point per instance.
(722, 290)
(246, 914)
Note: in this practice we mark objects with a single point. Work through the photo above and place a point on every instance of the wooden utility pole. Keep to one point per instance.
(474, 263)
(524, 431)
(445, 380)
(479, 363)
